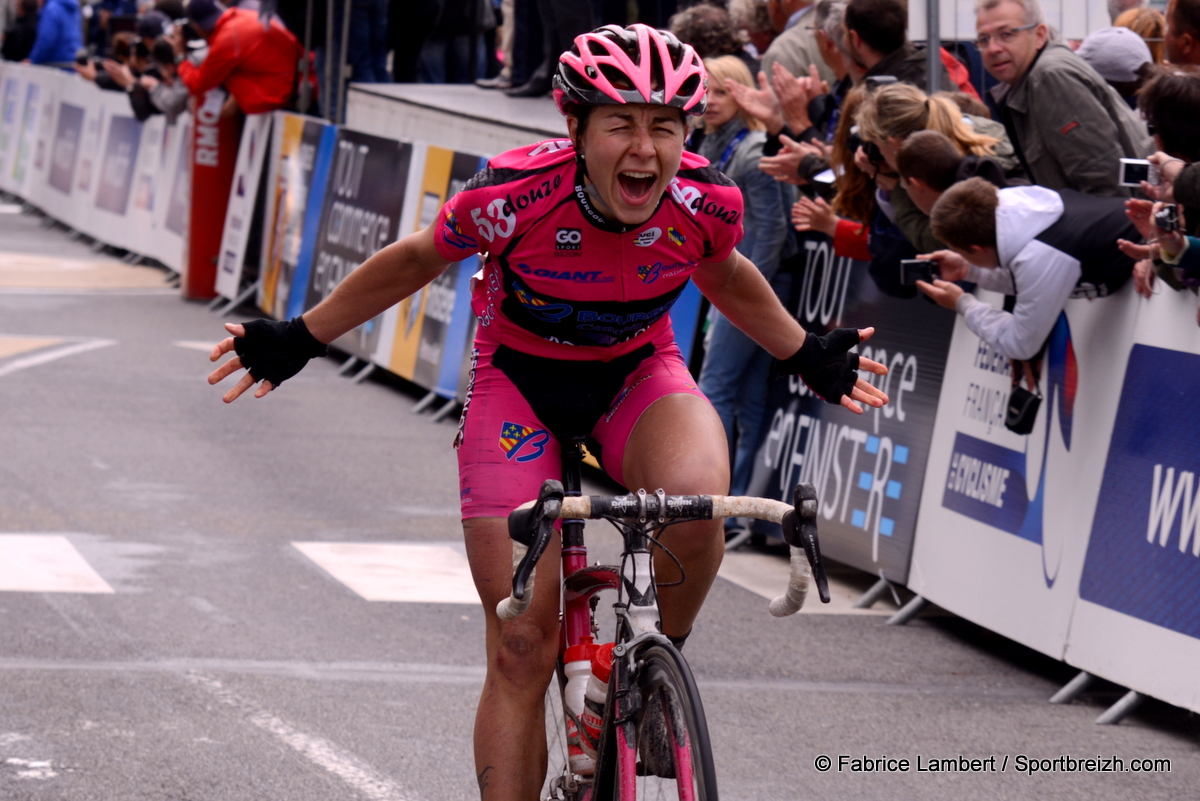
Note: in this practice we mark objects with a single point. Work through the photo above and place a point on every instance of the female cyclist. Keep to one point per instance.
(588, 241)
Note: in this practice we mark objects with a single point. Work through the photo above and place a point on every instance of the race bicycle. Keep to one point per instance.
(653, 739)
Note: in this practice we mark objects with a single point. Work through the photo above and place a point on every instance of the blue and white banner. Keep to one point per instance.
(1137, 619)
(1004, 517)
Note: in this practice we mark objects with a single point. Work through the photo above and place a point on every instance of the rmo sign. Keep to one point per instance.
(208, 132)
(214, 156)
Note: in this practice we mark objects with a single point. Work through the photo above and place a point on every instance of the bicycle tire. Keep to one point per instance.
(664, 673)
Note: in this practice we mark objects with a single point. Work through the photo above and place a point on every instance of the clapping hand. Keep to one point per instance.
(759, 103)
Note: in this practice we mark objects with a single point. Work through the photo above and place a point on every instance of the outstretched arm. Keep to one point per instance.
(739, 291)
(385, 279)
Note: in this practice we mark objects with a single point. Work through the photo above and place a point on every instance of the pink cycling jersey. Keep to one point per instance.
(563, 282)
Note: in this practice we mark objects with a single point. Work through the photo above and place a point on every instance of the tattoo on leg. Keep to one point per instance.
(482, 778)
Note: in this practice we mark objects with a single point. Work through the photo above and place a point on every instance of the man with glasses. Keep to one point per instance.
(1069, 127)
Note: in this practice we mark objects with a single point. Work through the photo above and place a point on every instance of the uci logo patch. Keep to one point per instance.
(647, 238)
(515, 438)
(568, 239)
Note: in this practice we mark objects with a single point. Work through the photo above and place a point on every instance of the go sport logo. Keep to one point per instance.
(990, 483)
(568, 241)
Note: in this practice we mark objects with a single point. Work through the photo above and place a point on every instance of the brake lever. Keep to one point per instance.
(800, 530)
(541, 517)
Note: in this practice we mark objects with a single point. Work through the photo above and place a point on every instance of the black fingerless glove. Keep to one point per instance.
(276, 351)
(824, 364)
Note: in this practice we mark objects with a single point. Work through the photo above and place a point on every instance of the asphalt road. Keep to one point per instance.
(169, 632)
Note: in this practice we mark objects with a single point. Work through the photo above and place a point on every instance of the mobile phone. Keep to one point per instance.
(824, 177)
(913, 270)
(875, 81)
(1134, 171)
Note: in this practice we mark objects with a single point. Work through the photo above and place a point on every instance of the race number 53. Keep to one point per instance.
(499, 211)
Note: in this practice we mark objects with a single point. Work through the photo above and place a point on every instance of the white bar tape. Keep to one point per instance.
(576, 508)
(511, 608)
(790, 602)
(741, 506)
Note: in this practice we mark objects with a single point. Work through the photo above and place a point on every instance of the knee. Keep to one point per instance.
(525, 652)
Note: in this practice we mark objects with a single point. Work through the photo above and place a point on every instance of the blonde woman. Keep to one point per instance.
(735, 371)
(885, 118)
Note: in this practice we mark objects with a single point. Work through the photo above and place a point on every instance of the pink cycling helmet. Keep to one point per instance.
(614, 65)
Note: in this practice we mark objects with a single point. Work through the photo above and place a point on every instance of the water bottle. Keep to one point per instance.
(577, 666)
(593, 701)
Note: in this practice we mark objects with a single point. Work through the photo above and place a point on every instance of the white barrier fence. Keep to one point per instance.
(1081, 539)
(79, 154)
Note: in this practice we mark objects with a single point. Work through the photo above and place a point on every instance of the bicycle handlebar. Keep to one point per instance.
(798, 522)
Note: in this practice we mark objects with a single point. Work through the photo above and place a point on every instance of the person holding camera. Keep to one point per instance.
(1040, 245)
(1069, 127)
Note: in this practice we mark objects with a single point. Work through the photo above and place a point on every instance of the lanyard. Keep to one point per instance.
(728, 154)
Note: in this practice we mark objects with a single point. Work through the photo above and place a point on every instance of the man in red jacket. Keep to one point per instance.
(255, 63)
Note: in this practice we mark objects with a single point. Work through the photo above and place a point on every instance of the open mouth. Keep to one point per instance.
(636, 186)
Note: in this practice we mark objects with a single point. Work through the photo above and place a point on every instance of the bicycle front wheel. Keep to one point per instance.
(670, 736)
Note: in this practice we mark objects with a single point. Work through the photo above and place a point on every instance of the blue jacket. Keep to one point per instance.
(58, 35)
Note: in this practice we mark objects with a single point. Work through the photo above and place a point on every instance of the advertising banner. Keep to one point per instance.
(295, 140)
(10, 116)
(1137, 620)
(238, 215)
(1005, 517)
(868, 469)
(65, 152)
(214, 151)
(360, 214)
(171, 191)
(436, 171)
(449, 294)
(298, 294)
(116, 168)
(26, 137)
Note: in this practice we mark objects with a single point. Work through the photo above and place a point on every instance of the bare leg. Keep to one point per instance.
(510, 726)
(678, 445)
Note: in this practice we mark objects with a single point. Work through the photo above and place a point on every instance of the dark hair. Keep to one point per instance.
(1185, 18)
(122, 44)
(879, 23)
(163, 52)
(709, 29)
(965, 215)
(1170, 101)
(931, 158)
(172, 8)
(28, 8)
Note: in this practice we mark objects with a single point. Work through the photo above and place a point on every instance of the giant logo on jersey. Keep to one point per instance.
(522, 443)
(991, 483)
(1143, 556)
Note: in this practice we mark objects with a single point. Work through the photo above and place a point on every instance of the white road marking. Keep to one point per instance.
(12, 737)
(33, 768)
(321, 752)
(192, 344)
(45, 563)
(397, 571)
(767, 575)
(49, 356)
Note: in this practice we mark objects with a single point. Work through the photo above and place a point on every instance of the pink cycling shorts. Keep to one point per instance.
(505, 452)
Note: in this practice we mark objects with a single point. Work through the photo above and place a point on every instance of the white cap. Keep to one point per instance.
(1116, 53)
